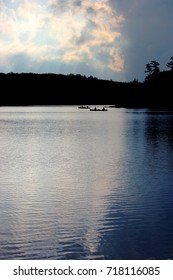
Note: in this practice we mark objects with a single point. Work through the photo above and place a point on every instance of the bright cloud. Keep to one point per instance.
(74, 32)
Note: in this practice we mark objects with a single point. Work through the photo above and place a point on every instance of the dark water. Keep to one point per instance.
(76, 184)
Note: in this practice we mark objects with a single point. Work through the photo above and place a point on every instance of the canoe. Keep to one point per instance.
(96, 109)
(83, 107)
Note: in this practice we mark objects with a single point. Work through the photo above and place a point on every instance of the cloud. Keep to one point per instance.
(148, 33)
(96, 27)
(72, 32)
(113, 39)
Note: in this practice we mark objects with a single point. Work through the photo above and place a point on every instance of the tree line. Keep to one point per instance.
(158, 84)
(57, 89)
(153, 68)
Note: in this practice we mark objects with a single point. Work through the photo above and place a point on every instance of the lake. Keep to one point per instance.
(76, 184)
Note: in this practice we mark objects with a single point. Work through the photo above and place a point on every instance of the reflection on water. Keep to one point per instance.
(82, 185)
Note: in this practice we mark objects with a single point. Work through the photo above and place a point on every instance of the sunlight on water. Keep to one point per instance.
(76, 184)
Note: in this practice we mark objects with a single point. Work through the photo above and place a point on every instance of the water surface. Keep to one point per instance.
(76, 184)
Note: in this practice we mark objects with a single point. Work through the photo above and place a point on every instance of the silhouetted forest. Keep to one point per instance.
(57, 89)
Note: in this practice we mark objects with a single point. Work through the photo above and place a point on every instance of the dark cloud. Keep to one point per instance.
(86, 34)
(78, 3)
(91, 11)
(83, 38)
(59, 6)
(148, 31)
(63, 6)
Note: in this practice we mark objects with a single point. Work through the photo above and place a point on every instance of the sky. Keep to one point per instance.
(107, 39)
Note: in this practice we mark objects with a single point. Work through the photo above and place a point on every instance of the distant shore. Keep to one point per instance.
(55, 89)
